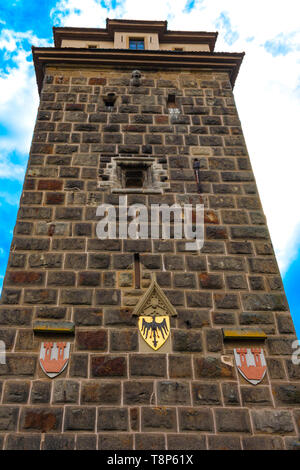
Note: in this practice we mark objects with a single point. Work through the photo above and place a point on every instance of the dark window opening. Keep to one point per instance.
(172, 105)
(134, 178)
(92, 46)
(109, 101)
(171, 101)
(135, 175)
(178, 49)
(136, 44)
(137, 271)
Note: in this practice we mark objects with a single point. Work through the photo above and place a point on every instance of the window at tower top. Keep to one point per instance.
(137, 43)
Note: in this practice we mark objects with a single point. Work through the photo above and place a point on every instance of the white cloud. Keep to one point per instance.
(11, 199)
(267, 90)
(18, 100)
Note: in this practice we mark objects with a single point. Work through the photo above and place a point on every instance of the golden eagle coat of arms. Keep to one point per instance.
(154, 311)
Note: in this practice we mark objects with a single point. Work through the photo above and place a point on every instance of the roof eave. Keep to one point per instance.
(145, 60)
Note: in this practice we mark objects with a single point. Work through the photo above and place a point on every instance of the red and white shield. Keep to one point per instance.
(251, 364)
(54, 357)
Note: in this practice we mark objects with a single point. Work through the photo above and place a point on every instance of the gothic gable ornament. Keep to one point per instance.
(54, 357)
(251, 364)
(154, 311)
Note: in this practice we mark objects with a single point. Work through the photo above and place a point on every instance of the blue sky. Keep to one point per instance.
(267, 94)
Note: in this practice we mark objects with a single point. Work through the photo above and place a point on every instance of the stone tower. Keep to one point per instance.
(147, 114)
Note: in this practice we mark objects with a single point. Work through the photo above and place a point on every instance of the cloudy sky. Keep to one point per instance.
(267, 94)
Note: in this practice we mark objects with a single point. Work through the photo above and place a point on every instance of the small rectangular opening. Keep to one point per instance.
(137, 271)
(136, 43)
(171, 104)
(134, 178)
(92, 46)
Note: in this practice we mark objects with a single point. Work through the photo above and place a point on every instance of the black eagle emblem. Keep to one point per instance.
(154, 328)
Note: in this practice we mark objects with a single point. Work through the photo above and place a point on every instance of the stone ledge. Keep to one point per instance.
(240, 334)
(59, 327)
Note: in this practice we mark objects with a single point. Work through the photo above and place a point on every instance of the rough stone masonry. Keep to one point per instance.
(112, 395)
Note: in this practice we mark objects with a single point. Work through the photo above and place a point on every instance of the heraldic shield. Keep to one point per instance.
(54, 357)
(154, 310)
(251, 364)
(155, 330)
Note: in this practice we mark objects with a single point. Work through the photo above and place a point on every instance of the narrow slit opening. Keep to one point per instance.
(137, 271)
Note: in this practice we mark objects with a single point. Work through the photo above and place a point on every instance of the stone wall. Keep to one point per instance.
(111, 396)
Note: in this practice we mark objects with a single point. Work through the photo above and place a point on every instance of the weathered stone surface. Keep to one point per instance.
(23, 442)
(180, 366)
(59, 270)
(205, 394)
(173, 393)
(228, 420)
(259, 396)
(91, 340)
(43, 419)
(275, 368)
(86, 442)
(272, 302)
(65, 391)
(228, 263)
(19, 366)
(112, 419)
(262, 443)
(280, 346)
(116, 442)
(236, 282)
(147, 365)
(8, 418)
(160, 418)
(149, 441)
(59, 442)
(285, 324)
(230, 393)
(108, 366)
(224, 443)
(16, 392)
(271, 421)
(79, 365)
(15, 316)
(214, 340)
(88, 317)
(138, 393)
(226, 301)
(186, 442)
(198, 299)
(292, 443)
(126, 340)
(287, 394)
(195, 318)
(187, 341)
(191, 419)
(80, 419)
(40, 392)
(212, 368)
(119, 317)
(106, 393)
(223, 318)
(292, 370)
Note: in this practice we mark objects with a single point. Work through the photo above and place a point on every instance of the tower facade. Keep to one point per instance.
(124, 343)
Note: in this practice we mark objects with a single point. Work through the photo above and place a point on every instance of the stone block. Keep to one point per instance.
(104, 393)
(80, 419)
(112, 419)
(159, 418)
(236, 420)
(108, 366)
(191, 419)
(173, 393)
